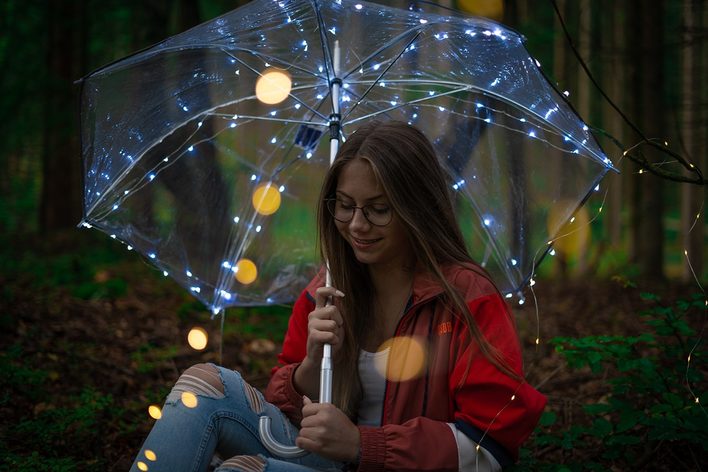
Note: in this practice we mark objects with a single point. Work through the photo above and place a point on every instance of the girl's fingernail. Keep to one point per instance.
(339, 293)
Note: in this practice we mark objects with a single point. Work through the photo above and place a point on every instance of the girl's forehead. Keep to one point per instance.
(357, 179)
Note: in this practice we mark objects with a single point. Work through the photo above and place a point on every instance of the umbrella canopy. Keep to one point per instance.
(204, 153)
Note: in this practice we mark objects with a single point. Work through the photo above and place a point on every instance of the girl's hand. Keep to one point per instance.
(324, 325)
(327, 431)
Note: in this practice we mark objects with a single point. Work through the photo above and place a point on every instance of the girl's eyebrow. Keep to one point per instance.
(376, 197)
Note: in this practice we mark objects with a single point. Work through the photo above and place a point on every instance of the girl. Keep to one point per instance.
(427, 364)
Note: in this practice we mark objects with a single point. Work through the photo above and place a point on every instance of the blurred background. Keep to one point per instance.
(91, 335)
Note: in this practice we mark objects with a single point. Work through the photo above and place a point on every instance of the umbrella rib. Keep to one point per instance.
(462, 87)
(378, 79)
(325, 45)
(265, 118)
(315, 112)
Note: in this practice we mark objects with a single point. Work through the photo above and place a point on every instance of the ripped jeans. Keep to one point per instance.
(212, 409)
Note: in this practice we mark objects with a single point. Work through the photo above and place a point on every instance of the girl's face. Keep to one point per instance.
(378, 246)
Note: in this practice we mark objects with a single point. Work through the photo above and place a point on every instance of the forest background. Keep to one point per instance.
(91, 336)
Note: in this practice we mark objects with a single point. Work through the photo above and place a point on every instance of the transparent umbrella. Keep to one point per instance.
(203, 152)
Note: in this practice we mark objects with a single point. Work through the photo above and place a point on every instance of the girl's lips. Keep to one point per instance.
(364, 243)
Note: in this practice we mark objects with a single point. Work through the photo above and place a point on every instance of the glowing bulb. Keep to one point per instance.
(150, 455)
(246, 271)
(142, 466)
(189, 399)
(197, 338)
(266, 199)
(155, 412)
(273, 86)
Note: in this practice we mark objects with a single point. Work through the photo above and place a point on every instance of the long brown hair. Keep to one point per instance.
(404, 162)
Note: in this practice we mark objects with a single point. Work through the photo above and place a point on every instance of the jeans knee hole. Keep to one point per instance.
(245, 463)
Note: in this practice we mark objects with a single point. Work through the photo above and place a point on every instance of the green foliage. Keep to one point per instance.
(651, 402)
(260, 322)
(56, 432)
(109, 289)
(65, 434)
(18, 380)
(149, 358)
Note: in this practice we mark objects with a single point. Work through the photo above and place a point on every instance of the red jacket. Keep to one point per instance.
(491, 408)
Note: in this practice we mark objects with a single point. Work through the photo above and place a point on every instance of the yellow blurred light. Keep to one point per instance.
(189, 399)
(488, 8)
(155, 412)
(571, 240)
(142, 466)
(151, 456)
(273, 86)
(246, 271)
(266, 199)
(406, 359)
(197, 338)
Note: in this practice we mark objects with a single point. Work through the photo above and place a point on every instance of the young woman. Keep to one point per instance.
(427, 364)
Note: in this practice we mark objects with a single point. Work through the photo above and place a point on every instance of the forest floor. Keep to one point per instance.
(90, 338)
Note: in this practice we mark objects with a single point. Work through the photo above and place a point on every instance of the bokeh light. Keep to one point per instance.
(246, 271)
(493, 9)
(574, 235)
(189, 399)
(150, 455)
(407, 359)
(155, 412)
(266, 199)
(273, 86)
(142, 466)
(197, 338)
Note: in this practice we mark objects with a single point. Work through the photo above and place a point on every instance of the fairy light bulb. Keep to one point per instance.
(197, 338)
(273, 86)
(150, 455)
(245, 271)
(142, 466)
(155, 412)
(266, 199)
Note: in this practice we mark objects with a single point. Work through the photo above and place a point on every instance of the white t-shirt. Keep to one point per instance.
(372, 367)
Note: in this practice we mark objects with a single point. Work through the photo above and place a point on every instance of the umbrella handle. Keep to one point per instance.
(290, 452)
(270, 443)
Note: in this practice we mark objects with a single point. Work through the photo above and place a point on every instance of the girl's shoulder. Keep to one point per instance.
(470, 280)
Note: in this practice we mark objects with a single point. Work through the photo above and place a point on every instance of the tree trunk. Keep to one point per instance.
(649, 96)
(613, 77)
(60, 204)
(692, 127)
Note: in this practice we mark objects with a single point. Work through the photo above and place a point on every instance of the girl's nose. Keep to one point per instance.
(359, 220)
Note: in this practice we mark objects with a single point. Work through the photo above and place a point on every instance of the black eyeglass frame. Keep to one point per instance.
(331, 202)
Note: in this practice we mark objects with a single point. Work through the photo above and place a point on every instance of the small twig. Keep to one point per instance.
(549, 377)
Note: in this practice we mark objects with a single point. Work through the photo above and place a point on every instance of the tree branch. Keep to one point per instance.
(637, 157)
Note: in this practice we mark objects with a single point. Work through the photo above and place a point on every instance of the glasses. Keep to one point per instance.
(378, 214)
